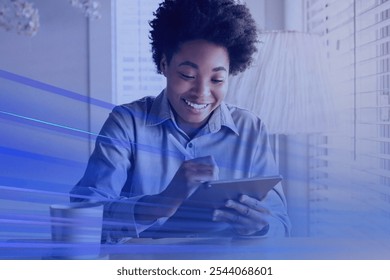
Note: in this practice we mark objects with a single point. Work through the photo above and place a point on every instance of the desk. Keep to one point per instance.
(220, 248)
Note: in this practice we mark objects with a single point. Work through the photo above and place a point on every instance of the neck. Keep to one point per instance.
(190, 131)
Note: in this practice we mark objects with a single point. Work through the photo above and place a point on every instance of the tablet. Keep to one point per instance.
(214, 194)
(194, 216)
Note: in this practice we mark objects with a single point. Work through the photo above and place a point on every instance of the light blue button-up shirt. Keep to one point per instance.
(133, 157)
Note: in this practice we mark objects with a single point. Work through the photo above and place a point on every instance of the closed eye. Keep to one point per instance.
(186, 77)
(217, 81)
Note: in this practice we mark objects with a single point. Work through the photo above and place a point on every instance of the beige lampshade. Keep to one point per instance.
(288, 85)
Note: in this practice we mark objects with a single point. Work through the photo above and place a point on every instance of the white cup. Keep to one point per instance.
(76, 230)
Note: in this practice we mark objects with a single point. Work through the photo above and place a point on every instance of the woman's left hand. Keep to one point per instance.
(247, 217)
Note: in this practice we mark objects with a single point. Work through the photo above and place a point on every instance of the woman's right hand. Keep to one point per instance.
(190, 175)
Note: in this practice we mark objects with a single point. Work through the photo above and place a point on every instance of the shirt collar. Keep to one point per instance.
(161, 111)
(222, 117)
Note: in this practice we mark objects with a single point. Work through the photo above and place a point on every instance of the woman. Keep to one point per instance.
(137, 167)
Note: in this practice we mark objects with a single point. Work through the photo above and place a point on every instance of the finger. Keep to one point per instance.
(192, 168)
(196, 179)
(241, 224)
(204, 174)
(199, 168)
(242, 209)
(206, 162)
(230, 217)
(258, 216)
(253, 203)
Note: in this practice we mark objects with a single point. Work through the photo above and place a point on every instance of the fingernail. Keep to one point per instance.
(228, 203)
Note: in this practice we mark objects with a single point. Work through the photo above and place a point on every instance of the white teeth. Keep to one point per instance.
(195, 106)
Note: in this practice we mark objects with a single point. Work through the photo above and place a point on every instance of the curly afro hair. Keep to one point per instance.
(222, 22)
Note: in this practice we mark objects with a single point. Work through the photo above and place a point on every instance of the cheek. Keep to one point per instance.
(178, 86)
(226, 85)
(221, 92)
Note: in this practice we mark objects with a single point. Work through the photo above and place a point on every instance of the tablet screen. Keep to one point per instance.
(214, 194)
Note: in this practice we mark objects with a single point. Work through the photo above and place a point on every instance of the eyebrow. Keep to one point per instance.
(193, 65)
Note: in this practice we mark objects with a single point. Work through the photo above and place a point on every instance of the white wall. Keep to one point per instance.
(41, 160)
(269, 14)
(257, 8)
(57, 56)
(293, 15)
(101, 67)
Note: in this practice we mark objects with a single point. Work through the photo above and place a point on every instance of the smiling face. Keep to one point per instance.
(197, 82)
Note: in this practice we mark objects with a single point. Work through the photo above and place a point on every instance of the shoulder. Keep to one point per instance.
(141, 105)
(136, 109)
(245, 119)
(126, 117)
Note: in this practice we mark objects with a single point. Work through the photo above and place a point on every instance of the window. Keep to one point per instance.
(135, 74)
(350, 168)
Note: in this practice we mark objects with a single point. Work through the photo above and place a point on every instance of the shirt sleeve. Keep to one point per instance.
(275, 201)
(107, 173)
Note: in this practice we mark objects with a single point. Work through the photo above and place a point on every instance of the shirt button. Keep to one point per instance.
(190, 145)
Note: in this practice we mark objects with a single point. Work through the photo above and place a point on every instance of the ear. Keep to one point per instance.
(163, 65)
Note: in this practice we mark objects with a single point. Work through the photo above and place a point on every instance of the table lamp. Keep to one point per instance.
(288, 84)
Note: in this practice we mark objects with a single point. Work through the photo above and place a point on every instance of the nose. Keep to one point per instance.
(202, 88)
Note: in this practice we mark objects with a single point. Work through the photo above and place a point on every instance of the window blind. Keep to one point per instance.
(350, 167)
(134, 71)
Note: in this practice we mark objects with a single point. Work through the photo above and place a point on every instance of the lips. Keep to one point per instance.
(196, 106)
